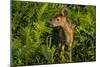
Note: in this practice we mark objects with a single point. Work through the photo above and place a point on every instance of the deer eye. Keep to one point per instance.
(57, 19)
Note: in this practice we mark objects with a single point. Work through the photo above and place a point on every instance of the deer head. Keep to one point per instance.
(59, 19)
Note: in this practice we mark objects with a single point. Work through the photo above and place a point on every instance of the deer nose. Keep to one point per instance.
(49, 24)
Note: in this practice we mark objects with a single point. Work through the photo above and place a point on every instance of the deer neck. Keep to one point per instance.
(66, 27)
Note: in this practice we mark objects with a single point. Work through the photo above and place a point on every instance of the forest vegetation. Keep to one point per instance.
(33, 42)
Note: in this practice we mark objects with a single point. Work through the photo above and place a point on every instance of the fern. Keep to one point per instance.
(33, 42)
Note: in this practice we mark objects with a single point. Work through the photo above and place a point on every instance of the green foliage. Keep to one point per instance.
(32, 40)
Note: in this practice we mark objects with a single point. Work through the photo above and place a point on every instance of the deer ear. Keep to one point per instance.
(63, 12)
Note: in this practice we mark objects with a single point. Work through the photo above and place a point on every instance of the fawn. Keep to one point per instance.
(62, 21)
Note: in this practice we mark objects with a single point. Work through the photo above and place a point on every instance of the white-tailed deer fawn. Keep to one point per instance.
(62, 21)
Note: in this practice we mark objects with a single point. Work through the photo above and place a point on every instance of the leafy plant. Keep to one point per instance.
(34, 42)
